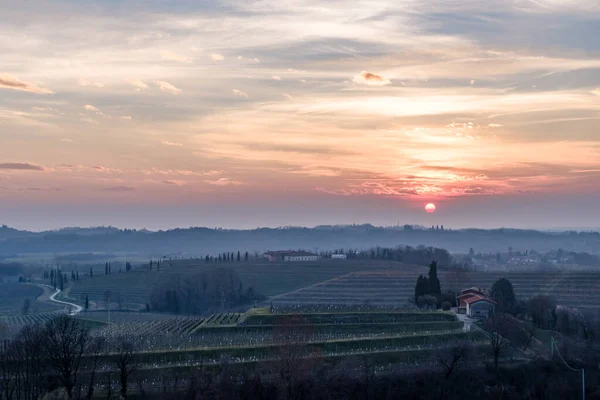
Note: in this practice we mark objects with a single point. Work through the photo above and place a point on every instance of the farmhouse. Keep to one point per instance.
(338, 256)
(474, 303)
(290, 255)
(479, 307)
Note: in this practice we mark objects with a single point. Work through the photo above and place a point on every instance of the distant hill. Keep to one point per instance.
(199, 241)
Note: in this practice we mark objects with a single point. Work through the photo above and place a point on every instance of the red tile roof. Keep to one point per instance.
(476, 298)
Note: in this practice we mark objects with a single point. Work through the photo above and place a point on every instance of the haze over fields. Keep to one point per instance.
(279, 112)
(197, 242)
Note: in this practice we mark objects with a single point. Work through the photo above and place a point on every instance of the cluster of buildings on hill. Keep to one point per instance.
(297, 255)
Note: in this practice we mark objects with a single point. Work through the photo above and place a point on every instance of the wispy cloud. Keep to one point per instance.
(85, 83)
(217, 57)
(167, 87)
(20, 167)
(276, 78)
(224, 182)
(169, 143)
(139, 85)
(370, 79)
(253, 60)
(169, 55)
(89, 107)
(239, 93)
(10, 82)
(119, 189)
(596, 92)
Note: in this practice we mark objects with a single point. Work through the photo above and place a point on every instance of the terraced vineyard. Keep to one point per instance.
(14, 323)
(268, 279)
(392, 288)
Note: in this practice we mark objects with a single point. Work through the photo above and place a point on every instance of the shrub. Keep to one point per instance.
(446, 306)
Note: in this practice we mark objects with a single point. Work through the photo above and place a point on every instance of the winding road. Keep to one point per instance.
(75, 309)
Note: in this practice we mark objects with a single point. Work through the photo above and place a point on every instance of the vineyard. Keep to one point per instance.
(393, 288)
(13, 296)
(183, 342)
(14, 323)
(266, 278)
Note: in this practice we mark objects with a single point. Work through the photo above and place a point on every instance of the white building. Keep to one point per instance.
(338, 256)
(290, 256)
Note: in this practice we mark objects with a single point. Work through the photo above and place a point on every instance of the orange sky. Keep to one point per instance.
(406, 102)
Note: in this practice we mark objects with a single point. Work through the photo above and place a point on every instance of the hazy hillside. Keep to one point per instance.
(201, 241)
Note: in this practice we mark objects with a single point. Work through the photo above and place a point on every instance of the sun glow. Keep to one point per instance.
(430, 207)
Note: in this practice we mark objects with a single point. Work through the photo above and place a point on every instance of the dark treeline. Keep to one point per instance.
(419, 255)
(200, 241)
(202, 292)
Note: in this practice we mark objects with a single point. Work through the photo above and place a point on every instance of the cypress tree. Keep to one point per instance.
(91, 273)
(87, 302)
(434, 282)
(238, 256)
(246, 256)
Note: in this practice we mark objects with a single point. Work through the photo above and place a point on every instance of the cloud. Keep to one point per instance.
(249, 60)
(368, 78)
(167, 87)
(66, 140)
(85, 83)
(224, 182)
(89, 107)
(495, 125)
(217, 57)
(139, 85)
(288, 96)
(10, 82)
(276, 78)
(21, 167)
(174, 182)
(119, 189)
(596, 92)
(239, 93)
(169, 55)
(126, 117)
(168, 143)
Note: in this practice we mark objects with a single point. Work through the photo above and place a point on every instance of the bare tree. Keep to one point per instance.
(8, 373)
(65, 341)
(454, 357)
(124, 360)
(22, 364)
(96, 347)
(498, 344)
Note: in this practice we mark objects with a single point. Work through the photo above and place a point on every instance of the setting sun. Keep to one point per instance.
(430, 207)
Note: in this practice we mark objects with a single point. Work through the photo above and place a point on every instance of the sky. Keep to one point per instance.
(238, 114)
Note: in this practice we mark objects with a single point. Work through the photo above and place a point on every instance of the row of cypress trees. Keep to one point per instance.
(428, 285)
